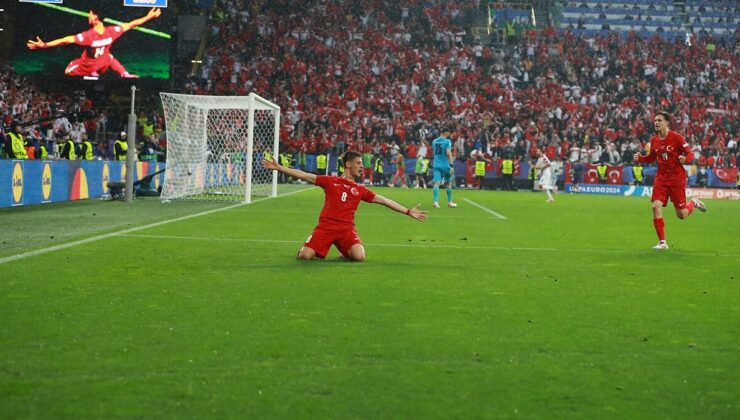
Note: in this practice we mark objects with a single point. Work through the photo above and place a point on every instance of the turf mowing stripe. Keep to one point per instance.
(428, 245)
(279, 241)
(121, 232)
(485, 209)
(364, 213)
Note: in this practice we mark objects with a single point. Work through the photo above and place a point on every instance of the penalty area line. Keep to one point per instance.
(486, 209)
(60, 247)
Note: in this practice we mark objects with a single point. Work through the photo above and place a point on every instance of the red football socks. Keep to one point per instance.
(690, 206)
(659, 228)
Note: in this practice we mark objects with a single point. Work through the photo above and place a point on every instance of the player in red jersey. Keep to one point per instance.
(342, 196)
(96, 58)
(671, 151)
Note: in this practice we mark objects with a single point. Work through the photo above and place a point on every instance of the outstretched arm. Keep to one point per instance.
(296, 173)
(38, 43)
(413, 212)
(153, 13)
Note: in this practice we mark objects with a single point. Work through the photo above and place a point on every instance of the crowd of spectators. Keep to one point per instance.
(376, 76)
(379, 77)
(53, 119)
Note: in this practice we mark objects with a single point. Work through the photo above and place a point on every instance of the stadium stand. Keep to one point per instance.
(364, 74)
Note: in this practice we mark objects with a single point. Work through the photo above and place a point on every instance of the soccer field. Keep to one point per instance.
(505, 307)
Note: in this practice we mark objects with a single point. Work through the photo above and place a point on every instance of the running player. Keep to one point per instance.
(671, 151)
(547, 181)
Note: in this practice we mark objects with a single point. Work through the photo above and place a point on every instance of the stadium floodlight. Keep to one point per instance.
(215, 145)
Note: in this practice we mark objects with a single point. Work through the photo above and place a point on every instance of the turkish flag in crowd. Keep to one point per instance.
(728, 175)
(591, 175)
(614, 174)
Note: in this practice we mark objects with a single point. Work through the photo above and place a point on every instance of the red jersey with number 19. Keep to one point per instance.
(342, 197)
(666, 152)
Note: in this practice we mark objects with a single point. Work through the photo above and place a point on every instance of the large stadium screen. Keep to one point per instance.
(94, 39)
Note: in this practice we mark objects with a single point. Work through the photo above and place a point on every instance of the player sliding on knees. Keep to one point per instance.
(337, 219)
(671, 151)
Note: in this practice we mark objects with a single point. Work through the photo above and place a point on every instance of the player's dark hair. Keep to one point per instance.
(348, 156)
(666, 116)
(96, 12)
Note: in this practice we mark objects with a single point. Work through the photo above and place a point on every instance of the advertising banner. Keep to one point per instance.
(25, 182)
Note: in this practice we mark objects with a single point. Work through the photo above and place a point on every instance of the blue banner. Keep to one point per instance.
(595, 189)
(25, 182)
(145, 3)
(608, 189)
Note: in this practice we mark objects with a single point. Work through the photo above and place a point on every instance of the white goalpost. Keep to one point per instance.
(215, 145)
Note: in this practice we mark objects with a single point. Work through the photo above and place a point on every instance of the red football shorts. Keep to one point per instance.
(324, 237)
(677, 193)
(86, 67)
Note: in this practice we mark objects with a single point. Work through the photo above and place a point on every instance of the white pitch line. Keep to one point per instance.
(485, 209)
(125, 231)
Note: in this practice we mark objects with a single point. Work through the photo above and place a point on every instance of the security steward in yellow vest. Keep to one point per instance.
(480, 172)
(17, 149)
(86, 149)
(42, 153)
(601, 170)
(120, 147)
(637, 174)
(68, 150)
(379, 177)
(285, 160)
(507, 171)
(321, 164)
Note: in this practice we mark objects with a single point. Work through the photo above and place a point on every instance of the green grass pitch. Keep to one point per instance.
(557, 311)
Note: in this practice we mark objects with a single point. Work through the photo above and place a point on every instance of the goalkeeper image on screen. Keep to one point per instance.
(337, 219)
(96, 57)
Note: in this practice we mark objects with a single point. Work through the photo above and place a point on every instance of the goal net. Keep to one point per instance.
(215, 145)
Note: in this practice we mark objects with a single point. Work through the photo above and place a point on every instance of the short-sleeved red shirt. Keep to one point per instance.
(342, 197)
(97, 46)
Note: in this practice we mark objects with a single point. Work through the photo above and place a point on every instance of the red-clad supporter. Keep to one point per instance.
(359, 71)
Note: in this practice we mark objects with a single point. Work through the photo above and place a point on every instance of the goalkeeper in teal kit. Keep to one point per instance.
(442, 166)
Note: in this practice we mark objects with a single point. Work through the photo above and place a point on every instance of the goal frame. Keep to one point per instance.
(250, 103)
